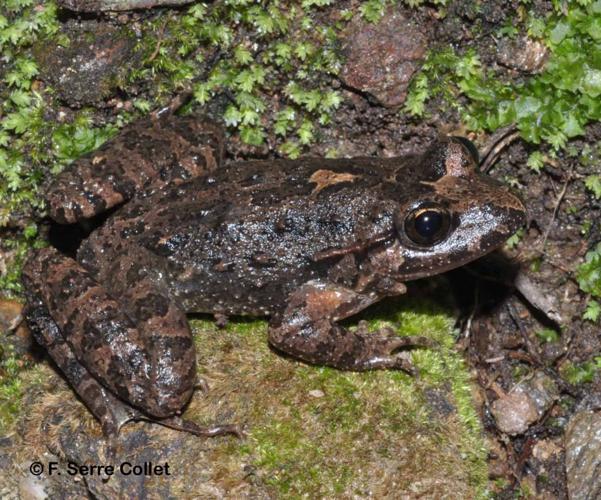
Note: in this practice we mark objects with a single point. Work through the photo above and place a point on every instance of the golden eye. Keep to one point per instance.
(427, 225)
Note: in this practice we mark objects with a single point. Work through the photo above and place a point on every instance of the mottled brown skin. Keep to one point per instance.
(307, 242)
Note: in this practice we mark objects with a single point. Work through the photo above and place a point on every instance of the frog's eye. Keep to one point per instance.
(427, 225)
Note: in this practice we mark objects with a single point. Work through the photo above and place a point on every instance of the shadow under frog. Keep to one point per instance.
(307, 242)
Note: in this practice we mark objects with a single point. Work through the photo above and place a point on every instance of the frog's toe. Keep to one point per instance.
(389, 351)
(413, 341)
(404, 362)
(398, 361)
(386, 341)
(181, 424)
(201, 384)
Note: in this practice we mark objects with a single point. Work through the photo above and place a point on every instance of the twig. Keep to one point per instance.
(555, 209)
(156, 50)
(467, 330)
(532, 349)
(541, 300)
(492, 154)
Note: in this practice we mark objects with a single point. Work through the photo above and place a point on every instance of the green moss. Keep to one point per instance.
(589, 273)
(15, 376)
(22, 104)
(547, 335)
(321, 432)
(580, 373)
(551, 107)
(297, 57)
(10, 390)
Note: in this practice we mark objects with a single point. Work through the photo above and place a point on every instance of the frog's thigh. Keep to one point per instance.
(147, 153)
(135, 278)
(147, 361)
(111, 412)
(308, 330)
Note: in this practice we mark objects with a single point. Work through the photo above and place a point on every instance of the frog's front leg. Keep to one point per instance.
(308, 329)
(145, 355)
(149, 153)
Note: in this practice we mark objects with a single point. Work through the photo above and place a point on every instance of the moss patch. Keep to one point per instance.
(320, 432)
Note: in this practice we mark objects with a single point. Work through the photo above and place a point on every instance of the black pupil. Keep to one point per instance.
(428, 223)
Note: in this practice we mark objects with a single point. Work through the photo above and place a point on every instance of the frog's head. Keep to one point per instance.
(454, 214)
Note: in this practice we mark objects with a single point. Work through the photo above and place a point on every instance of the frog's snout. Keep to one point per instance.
(499, 221)
(512, 214)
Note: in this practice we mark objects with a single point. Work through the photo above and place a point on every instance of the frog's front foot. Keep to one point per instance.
(388, 350)
(308, 330)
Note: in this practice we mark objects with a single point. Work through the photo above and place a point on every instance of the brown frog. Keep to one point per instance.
(307, 242)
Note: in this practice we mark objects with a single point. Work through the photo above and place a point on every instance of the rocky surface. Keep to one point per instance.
(381, 58)
(116, 5)
(312, 431)
(14, 335)
(516, 411)
(583, 456)
(88, 69)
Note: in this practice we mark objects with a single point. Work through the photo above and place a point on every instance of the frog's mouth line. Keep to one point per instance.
(435, 269)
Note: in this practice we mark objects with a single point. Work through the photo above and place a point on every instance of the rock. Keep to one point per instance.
(523, 54)
(14, 334)
(116, 5)
(89, 68)
(583, 456)
(144, 461)
(47, 485)
(545, 449)
(381, 58)
(525, 404)
(514, 413)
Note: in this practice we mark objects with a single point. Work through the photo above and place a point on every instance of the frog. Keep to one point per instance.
(306, 242)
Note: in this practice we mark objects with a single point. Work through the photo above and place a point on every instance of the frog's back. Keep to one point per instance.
(239, 240)
(256, 228)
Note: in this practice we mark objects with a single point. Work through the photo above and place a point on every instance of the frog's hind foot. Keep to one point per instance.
(138, 345)
(183, 425)
(112, 413)
(177, 423)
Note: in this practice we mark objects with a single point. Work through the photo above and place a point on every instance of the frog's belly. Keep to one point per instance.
(254, 291)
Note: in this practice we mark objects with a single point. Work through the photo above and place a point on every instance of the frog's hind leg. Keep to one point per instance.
(110, 412)
(308, 330)
(92, 341)
(149, 153)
